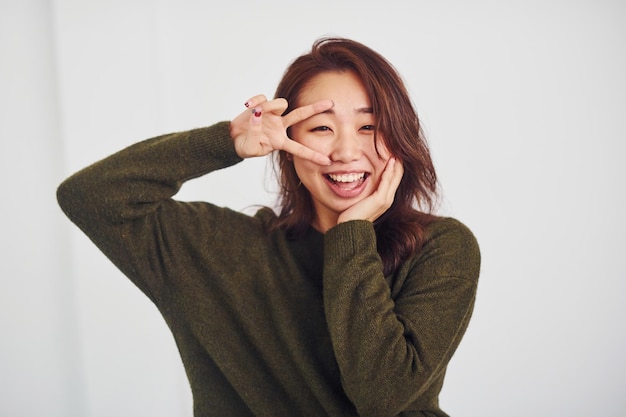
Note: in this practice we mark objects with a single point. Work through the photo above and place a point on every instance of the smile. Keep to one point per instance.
(347, 177)
(347, 185)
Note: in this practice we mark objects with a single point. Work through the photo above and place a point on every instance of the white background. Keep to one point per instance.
(523, 103)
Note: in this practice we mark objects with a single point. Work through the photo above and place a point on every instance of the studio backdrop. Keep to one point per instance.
(522, 103)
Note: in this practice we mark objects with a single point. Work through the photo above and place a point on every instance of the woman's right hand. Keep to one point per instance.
(261, 128)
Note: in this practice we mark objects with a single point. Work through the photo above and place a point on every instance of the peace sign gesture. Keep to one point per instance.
(262, 129)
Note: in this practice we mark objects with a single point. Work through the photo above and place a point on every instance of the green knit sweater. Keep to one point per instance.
(265, 325)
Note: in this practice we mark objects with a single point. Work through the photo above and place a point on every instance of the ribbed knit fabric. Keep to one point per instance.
(265, 325)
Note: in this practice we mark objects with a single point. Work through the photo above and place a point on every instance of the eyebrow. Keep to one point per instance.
(367, 110)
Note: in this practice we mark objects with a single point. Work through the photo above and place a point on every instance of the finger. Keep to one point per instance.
(255, 129)
(255, 101)
(256, 120)
(391, 178)
(302, 113)
(303, 152)
(397, 174)
(276, 106)
(241, 123)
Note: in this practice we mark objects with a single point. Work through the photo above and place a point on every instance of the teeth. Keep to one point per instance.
(347, 177)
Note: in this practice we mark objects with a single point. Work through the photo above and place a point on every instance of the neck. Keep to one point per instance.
(323, 224)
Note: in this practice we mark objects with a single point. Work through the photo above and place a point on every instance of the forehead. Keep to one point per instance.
(343, 87)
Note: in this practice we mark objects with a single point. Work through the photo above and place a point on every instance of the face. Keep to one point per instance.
(345, 134)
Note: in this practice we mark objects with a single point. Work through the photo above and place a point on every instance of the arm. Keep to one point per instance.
(123, 203)
(118, 201)
(392, 348)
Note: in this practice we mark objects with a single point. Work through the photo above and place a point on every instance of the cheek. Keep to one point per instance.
(304, 168)
(379, 154)
(297, 132)
(383, 151)
(313, 142)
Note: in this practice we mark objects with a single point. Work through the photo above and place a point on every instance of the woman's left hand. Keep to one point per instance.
(372, 207)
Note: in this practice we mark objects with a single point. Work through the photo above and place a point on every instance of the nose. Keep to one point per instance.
(346, 148)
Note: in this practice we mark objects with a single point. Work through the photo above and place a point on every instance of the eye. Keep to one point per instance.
(320, 129)
(369, 127)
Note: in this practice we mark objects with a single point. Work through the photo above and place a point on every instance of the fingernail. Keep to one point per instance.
(257, 113)
(247, 104)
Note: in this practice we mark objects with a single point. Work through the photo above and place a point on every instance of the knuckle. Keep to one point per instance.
(301, 152)
(298, 112)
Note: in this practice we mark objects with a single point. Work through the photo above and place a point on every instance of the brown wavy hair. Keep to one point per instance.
(400, 230)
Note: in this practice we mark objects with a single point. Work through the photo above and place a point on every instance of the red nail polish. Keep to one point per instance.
(247, 104)
(257, 114)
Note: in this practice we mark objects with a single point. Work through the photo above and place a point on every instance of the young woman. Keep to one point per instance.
(349, 301)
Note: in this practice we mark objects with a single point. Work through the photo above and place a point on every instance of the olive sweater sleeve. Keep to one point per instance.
(393, 343)
(117, 201)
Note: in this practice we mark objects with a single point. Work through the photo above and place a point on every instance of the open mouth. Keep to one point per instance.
(347, 181)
